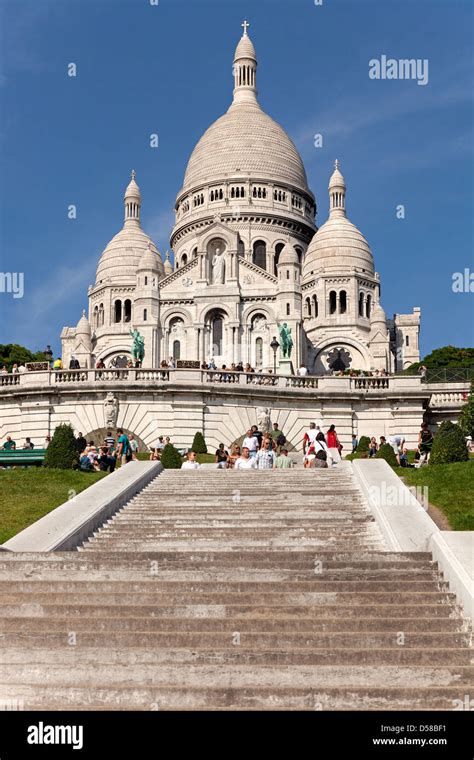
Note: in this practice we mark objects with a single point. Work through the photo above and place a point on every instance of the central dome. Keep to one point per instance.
(245, 141)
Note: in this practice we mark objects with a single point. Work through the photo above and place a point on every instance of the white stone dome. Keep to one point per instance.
(245, 142)
(338, 244)
(378, 316)
(122, 256)
(83, 326)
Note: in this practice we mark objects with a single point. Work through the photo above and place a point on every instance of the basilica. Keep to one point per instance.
(247, 259)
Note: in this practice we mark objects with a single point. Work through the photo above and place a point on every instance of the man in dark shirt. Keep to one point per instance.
(221, 456)
(81, 443)
(258, 435)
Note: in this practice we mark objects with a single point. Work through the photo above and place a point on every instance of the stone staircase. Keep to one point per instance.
(229, 590)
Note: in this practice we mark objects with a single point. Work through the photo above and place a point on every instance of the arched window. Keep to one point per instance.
(118, 311)
(287, 274)
(299, 251)
(241, 248)
(368, 307)
(146, 280)
(342, 302)
(315, 306)
(145, 315)
(288, 309)
(96, 316)
(195, 252)
(260, 254)
(259, 352)
(308, 306)
(361, 304)
(127, 311)
(101, 314)
(176, 350)
(184, 260)
(217, 327)
(332, 302)
(278, 249)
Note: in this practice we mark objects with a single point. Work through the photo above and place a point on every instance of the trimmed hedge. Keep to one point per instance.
(386, 452)
(62, 451)
(449, 445)
(364, 444)
(199, 444)
(171, 458)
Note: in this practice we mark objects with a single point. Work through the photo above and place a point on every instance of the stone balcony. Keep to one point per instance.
(202, 378)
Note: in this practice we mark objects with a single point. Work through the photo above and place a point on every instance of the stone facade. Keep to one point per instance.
(247, 257)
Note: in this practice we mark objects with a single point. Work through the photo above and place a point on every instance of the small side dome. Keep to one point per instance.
(150, 260)
(378, 316)
(83, 326)
(288, 255)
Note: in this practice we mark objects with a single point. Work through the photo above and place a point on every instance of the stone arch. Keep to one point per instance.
(176, 311)
(98, 434)
(360, 357)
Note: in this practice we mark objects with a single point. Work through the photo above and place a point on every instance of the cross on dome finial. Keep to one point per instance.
(133, 174)
(336, 163)
(245, 26)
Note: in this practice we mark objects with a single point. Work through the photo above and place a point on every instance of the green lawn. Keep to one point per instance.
(28, 494)
(450, 488)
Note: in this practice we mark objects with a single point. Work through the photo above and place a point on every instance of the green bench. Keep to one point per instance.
(12, 458)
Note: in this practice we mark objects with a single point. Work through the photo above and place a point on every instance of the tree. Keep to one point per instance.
(199, 444)
(62, 450)
(448, 357)
(466, 418)
(171, 458)
(449, 445)
(12, 353)
(386, 452)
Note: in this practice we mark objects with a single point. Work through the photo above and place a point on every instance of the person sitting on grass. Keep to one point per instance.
(404, 459)
(221, 457)
(106, 461)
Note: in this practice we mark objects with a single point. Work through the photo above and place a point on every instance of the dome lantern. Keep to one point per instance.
(337, 192)
(245, 70)
(133, 202)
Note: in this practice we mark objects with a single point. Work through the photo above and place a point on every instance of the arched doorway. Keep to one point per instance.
(216, 336)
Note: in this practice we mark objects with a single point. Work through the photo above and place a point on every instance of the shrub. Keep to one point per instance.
(386, 452)
(364, 444)
(466, 418)
(199, 444)
(171, 458)
(62, 450)
(449, 445)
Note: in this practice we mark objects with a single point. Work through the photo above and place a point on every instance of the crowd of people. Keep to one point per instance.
(104, 457)
(397, 442)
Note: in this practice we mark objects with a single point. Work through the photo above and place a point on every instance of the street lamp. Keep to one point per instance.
(275, 346)
(48, 353)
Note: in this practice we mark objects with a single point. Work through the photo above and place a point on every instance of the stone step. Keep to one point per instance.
(133, 593)
(70, 655)
(55, 633)
(65, 598)
(152, 698)
(154, 617)
(263, 581)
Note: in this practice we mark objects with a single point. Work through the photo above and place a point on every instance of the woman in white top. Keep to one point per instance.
(191, 464)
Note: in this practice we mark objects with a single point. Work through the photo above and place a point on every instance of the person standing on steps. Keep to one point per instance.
(283, 461)
(124, 452)
(251, 443)
(191, 463)
(334, 445)
(310, 436)
(245, 461)
(266, 457)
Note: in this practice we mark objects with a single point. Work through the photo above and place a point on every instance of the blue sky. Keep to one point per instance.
(166, 69)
